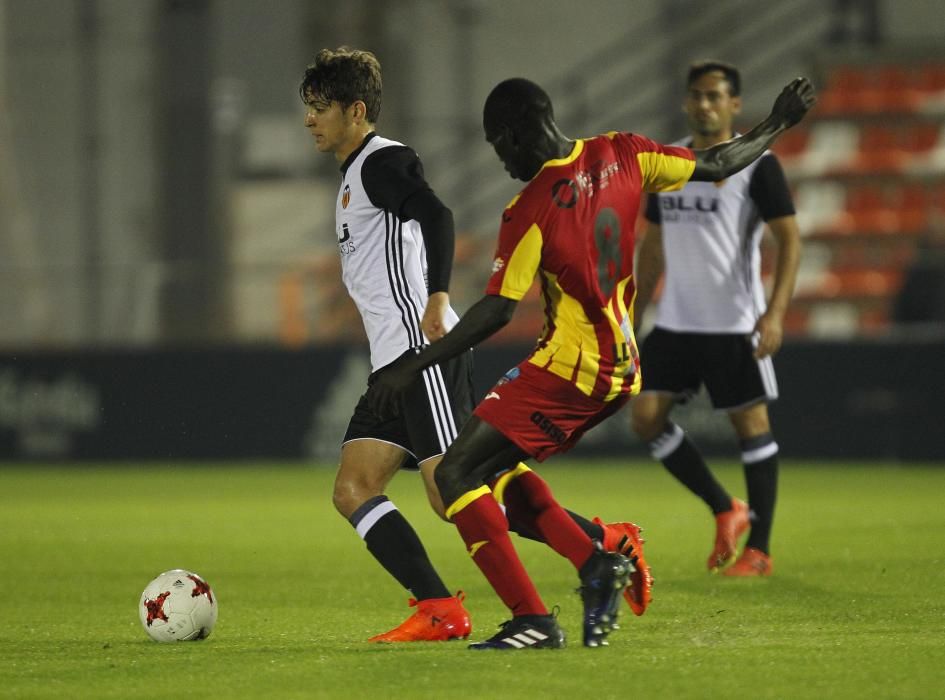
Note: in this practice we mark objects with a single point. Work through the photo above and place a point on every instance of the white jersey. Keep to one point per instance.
(711, 234)
(383, 263)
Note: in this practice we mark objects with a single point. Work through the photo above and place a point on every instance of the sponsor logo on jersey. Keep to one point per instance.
(548, 428)
(345, 244)
(345, 197)
(564, 193)
(681, 203)
(497, 265)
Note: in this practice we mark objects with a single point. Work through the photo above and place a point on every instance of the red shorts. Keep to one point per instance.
(541, 412)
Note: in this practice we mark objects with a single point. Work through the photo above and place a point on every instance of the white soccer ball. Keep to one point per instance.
(178, 606)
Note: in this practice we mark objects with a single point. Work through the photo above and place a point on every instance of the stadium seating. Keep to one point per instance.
(868, 168)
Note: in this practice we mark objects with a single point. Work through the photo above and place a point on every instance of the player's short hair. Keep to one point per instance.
(516, 102)
(344, 75)
(732, 76)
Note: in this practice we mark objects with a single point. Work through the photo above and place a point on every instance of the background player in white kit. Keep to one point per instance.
(712, 325)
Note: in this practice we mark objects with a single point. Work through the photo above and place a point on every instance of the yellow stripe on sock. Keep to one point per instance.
(498, 491)
(465, 500)
(475, 547)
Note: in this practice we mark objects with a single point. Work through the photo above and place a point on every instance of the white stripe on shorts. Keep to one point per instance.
(440, 407)
(768, 379)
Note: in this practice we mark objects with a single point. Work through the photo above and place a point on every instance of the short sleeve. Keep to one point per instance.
(769, 189)
(518, 253)
(652, 213)
(662, 168)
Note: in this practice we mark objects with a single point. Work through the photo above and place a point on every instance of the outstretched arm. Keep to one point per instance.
(720, 161)
(482, 320)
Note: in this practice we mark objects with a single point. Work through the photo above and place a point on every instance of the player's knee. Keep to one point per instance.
(752, 422)
(647, 424)
(349, 493)
(436, 503)
(440, 511)
(449, 481)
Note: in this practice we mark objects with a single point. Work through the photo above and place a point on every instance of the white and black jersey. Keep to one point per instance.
(711, 233)
(383, 254)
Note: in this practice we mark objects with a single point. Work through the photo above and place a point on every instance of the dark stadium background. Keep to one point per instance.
(170, 285)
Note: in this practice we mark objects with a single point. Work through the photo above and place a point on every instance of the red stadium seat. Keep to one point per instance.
(843, 91)
(792, 143)
(931, 78)
(896, 90)
(912, 205)
(858, 282)
(867, 211)
(872, 89)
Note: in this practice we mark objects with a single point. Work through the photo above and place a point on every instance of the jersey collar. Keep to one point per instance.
(572, 156)
(356, 152)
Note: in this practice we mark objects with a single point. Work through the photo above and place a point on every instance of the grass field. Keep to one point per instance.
(855, 608)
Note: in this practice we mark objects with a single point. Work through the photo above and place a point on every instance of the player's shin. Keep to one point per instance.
(529, 500)
(483, 527)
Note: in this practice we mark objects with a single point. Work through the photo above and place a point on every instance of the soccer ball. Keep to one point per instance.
(178, 606)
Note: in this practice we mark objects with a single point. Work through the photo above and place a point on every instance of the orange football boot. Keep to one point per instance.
(729, 526)
(752, 562)
(625, 539)
(436, 620)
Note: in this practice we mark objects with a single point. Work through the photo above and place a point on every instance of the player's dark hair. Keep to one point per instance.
(344, 75)
(516, 102)
(700, 68)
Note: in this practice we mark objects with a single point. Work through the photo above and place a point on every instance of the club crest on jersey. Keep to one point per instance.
(345, 196)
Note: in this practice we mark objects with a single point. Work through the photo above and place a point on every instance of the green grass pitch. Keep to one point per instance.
(855, 607)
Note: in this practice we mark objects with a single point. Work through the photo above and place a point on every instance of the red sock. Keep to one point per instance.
(530, 502)
(484, 529)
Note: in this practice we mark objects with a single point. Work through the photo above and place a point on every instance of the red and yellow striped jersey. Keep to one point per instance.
(573, 225)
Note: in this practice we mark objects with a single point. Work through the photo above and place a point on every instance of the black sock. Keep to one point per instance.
(760, 459)
(395, 545)
(593, 530)
(682, 460)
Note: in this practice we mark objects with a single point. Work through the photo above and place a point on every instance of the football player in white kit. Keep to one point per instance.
(712, 325)
(395, 239)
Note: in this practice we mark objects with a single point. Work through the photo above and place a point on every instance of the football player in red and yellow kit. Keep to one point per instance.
(572, 228)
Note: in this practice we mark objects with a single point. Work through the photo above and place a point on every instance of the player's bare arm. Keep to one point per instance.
(484, 318)
(770, 327)
(718, 162)
(649, 269)
(432, 323)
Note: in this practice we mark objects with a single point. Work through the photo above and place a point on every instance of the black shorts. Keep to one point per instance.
(432, 412)
(679, 363)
